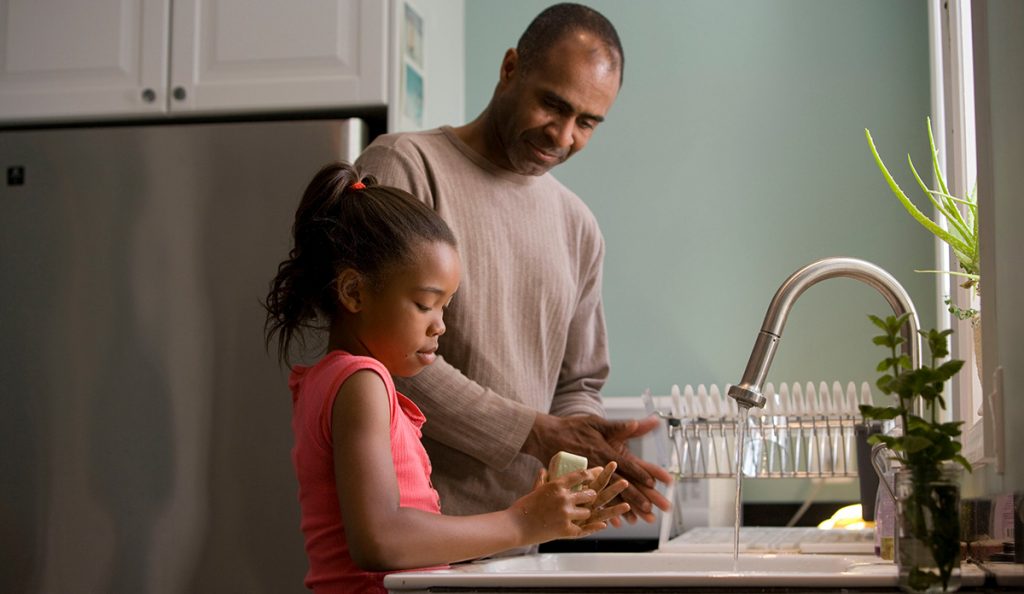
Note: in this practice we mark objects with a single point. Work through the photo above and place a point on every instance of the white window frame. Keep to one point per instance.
(953, 120)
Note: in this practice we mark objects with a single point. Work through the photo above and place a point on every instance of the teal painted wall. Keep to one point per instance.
(734, 155)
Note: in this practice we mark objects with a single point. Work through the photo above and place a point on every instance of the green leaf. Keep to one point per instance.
(935, 157)
(950, 368)
(963, 462)
(895, 323)
(963, 238)
(916, 423)
(948, 210)
(938, 342)
(893, 443)
(881, 413)
(952, 428)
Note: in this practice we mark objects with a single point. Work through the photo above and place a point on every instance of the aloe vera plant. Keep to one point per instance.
(962, 232)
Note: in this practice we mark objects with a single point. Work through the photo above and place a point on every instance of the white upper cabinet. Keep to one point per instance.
(282, 54)
(94, 58)
(116, 59)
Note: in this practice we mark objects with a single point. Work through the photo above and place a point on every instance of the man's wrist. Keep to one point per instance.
(536, 443)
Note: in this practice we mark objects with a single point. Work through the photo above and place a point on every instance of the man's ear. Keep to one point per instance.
(509, 66)
(350, 287)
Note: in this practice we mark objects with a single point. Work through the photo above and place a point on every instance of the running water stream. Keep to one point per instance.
(741, 429)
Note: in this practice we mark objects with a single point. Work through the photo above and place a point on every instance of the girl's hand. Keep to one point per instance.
(601, 515)
(553, 510)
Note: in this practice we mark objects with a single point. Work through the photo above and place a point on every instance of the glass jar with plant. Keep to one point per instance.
(961, 233)
(927, 451)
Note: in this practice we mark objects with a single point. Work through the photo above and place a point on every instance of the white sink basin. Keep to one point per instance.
(674, 562)
(650, 570)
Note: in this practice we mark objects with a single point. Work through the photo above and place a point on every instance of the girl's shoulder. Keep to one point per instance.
(343, 359)
(335, 367)
(315, 389)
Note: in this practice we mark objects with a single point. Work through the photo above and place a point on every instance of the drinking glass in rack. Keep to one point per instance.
(801, 433)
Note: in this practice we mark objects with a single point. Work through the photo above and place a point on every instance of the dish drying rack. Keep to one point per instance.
(803, 431)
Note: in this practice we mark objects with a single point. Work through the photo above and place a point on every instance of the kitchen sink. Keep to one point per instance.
(624, 571)
(670, 562)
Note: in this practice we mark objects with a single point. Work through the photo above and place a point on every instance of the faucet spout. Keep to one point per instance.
(748, 392)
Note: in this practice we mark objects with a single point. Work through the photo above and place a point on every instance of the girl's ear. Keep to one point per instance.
(350, 286)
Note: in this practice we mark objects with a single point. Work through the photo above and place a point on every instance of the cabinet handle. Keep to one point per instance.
(148, 95)
(179, 93)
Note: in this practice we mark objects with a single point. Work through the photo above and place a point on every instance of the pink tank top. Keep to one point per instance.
(331, 569)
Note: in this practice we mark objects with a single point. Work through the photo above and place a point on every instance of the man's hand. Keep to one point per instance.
(602, 441)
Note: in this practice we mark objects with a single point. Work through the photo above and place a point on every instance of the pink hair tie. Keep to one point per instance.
(358, 186)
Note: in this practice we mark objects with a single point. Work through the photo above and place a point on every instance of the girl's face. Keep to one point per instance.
(401, 320)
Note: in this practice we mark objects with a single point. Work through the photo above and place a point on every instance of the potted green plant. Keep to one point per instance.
(961, 234)
(927, 451)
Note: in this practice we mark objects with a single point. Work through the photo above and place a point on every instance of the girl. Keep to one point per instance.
(376, 268)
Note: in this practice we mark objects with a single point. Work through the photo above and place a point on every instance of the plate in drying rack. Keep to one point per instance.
(801, 433)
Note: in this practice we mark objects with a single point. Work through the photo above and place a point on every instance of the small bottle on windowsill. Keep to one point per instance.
(885, 519)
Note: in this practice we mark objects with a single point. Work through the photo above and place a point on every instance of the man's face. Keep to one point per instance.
(546, 114)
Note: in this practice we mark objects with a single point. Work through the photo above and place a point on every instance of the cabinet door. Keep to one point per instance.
(97, 59)
(238, 55)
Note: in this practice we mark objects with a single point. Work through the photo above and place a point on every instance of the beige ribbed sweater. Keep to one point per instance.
(525, 331)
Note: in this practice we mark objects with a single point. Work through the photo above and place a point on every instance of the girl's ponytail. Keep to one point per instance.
(296, 299)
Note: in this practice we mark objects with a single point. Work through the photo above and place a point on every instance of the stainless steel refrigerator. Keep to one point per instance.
(145, 430)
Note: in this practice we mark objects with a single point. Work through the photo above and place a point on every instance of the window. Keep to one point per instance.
(954, 122)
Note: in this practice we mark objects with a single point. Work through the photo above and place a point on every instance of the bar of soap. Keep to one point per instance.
(563, 463)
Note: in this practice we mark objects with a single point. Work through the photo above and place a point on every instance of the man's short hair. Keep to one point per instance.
(556, 21)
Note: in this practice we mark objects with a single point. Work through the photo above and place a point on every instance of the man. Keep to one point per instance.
(525, 352)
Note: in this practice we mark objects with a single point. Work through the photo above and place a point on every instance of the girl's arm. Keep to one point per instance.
(384, 536)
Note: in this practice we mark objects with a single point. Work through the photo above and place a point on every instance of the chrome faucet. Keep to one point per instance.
(748, 392)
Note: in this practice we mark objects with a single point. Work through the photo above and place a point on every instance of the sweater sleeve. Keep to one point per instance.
(468, 417)
(585, 365)
(461, 413)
